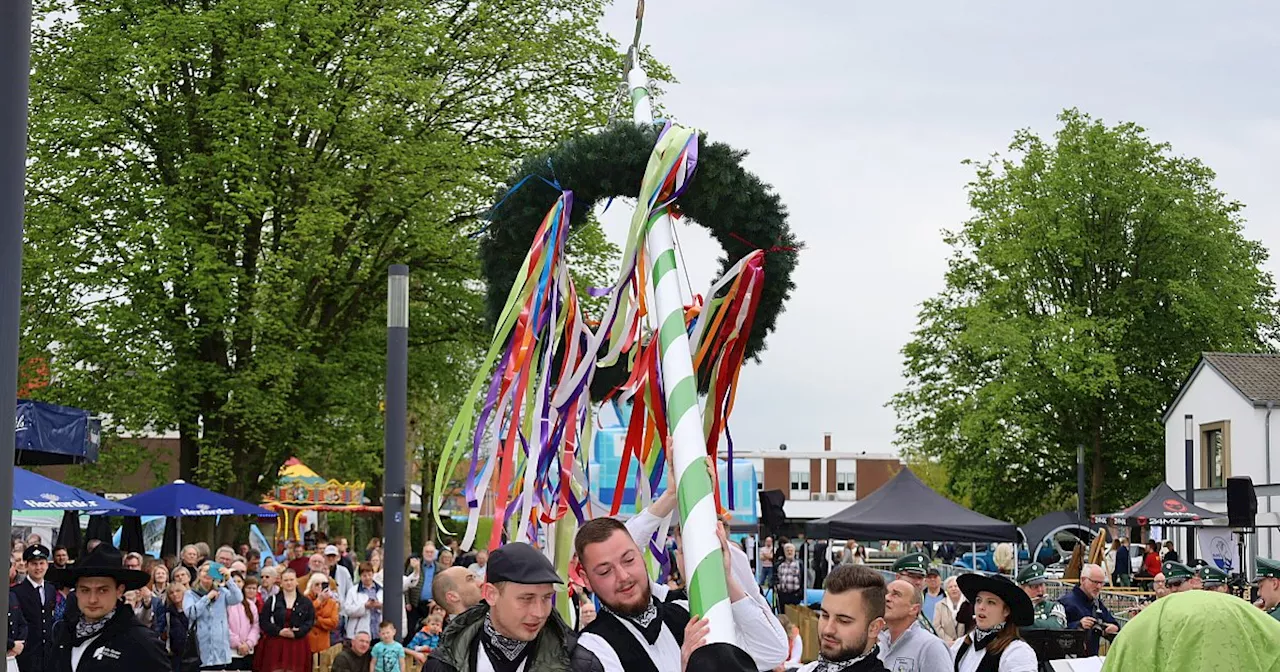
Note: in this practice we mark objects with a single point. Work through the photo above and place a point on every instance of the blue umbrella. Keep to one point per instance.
(180, 499)
(33, 492)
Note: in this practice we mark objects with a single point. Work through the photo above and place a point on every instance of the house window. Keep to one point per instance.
(1215, 454)
(844, 482)
(800, 480)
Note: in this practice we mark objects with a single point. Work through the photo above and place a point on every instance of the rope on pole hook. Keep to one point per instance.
(633, 52)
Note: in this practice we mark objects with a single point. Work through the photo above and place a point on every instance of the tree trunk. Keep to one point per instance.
(1095, 477)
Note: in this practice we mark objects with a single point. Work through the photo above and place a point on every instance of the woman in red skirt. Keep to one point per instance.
(286, 618)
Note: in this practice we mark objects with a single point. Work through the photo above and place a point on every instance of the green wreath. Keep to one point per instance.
(737, 208)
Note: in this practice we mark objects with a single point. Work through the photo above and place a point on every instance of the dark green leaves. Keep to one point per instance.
(217, 189)
(1095, 269)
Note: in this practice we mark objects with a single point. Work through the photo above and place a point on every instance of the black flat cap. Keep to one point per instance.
(519, 562)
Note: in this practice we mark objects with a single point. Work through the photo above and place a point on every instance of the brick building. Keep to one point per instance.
(819, 483)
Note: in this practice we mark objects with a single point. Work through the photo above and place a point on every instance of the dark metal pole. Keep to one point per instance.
(1190, 434)
(1080, 490)
(15, 68)
(396, 423)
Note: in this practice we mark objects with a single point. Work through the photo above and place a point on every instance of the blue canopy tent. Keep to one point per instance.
(33, 492)
(52, 434)
(180, 499)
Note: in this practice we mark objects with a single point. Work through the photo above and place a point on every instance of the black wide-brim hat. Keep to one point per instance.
(1021, 612)
(104, 560)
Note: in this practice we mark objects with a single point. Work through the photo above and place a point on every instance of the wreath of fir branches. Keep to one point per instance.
(739, 210)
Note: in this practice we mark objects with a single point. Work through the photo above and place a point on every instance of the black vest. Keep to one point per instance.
(990, 662)
(631, 653)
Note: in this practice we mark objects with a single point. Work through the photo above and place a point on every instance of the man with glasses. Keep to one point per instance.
(1180, 578)
(1086, 611)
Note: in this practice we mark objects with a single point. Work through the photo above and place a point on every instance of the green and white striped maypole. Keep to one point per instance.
(703, 562)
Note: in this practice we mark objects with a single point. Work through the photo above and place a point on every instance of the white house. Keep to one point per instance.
(1229, 398)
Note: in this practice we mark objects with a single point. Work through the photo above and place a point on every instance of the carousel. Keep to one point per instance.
(302, 496)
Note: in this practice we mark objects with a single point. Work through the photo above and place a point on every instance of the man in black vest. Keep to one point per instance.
(36, 600)
(635, 631)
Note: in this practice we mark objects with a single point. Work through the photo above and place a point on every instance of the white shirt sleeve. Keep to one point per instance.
(642, 526)
(1019, 657)
(760, 634)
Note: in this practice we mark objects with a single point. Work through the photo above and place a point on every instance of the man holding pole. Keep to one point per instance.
(636, 632)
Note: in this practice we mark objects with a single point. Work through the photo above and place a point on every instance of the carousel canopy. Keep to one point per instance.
(299, 487)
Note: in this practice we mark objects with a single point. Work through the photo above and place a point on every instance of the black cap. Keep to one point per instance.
(35, 552)
(932, 571)
(519, 562)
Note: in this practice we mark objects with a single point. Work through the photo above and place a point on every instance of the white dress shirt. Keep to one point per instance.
(1017, 657)
(483, 664)
(755, 627)
(769, 644)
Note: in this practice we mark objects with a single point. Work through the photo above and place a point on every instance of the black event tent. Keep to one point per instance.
(1162, 506)
(1038, 531)
(906, 508)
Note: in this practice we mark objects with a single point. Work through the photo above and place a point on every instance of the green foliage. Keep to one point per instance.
(217, 188)
(1095, 269)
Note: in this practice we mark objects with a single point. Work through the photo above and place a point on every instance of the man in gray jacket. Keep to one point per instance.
(905, 646)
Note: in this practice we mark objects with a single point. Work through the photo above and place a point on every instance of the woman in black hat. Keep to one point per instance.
(999, 608)
(102, 634)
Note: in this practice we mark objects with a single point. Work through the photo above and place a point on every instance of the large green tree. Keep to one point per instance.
(216, 189)
(1095, 268)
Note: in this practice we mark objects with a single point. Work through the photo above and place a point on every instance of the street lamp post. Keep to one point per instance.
(15, 67)
(1189, 431)
(394, 428)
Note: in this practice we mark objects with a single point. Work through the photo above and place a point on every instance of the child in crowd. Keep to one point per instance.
(388, 654)
(793, 639)
(428, 638)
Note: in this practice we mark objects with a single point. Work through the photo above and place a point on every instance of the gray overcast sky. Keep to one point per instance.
(859, 114)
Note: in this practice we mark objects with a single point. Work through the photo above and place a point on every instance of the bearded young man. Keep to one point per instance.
(850, 622)
(637, 631)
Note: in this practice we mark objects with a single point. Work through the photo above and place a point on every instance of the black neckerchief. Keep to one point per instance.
(825, 665)
(505, 654)
(981, 638)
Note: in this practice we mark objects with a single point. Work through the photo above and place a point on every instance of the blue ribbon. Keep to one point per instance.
(488, 216)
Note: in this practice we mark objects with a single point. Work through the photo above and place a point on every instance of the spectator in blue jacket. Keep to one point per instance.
(206, 605)
(1085, 610)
